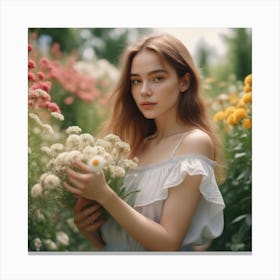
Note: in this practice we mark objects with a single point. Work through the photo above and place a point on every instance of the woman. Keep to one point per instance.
(158, 110)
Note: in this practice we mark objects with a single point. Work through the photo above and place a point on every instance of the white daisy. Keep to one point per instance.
(97, 163)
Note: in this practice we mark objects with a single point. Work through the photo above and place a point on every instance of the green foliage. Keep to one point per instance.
(237, 193)
(237, 188)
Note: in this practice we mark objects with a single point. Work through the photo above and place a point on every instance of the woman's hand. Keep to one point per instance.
(87, 184)
(86, 214)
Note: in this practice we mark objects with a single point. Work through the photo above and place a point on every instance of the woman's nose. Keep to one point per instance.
(145, 89)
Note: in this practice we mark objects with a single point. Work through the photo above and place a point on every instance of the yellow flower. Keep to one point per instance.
(233, 98)
(247, 123)
(240, 114)
(241, 104)
(248, 80)
(247, 88)
(229, 111)
(219, 116)
(247, 98)
(231, 119)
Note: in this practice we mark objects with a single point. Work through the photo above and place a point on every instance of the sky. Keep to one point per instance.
(192, 36)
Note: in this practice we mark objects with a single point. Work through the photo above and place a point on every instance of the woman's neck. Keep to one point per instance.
(169, 128)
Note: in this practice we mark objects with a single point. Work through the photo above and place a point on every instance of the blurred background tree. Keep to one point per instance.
(92, 43)
(238, 58)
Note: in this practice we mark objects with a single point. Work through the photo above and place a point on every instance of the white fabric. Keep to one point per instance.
(152, 183)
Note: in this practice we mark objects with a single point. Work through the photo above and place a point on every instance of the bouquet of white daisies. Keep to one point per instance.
(108, 154)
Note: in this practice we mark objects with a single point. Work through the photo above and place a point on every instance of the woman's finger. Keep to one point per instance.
(81, 215)
(71, 173)
(71, 189)
(90, 220)
(83, 167)
(82, 203)
(76, 183)
(95, 226)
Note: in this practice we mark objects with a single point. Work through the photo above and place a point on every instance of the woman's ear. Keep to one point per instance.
(185, 82)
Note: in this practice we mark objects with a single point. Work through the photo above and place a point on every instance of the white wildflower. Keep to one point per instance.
(37, 243)
(50, 245)
(57, 116)
(73, 130)
(73, 156)
(72, 225)
(73, 141)
(59, 161)
(116, 171)
(51, 181)
(45, 149)
(128, 163)
(105, 144)
(36, 130)
(97, 163)
(39, 215)
(123, 148)
(62, 238)
(42, 92)
(55, 149)
(112, 138)
(42, 177)
(47, 129)
(36, 190)
(89, 152)
(36, 118)
(87, 139)
(29, 150)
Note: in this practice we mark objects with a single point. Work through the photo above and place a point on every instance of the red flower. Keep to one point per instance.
(31, 76)
(31, 63)
(41, 75)
(30, 48)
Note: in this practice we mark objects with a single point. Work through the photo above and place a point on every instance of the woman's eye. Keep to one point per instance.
(157, 79)
(135, 82)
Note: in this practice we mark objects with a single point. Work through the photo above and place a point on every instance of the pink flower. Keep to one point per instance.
(33, 94)
(46, 86)
(40, 75)
(53, 107)
(31, 76)
(31, 63)
(68, 100)
(30, 48)
(44, 63)
(31, 103)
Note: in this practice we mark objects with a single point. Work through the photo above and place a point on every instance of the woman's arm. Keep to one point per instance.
(176, 217)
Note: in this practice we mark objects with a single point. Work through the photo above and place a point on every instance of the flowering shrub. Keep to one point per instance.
(50, 222)
(234, 116)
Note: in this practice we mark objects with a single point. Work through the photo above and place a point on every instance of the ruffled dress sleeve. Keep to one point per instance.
(154, 182)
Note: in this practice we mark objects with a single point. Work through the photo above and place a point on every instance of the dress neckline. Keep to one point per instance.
(174, 159)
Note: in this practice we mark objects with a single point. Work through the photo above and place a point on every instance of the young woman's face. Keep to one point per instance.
(155, 85)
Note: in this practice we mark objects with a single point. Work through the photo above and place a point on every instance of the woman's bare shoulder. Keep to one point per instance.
(197, 141)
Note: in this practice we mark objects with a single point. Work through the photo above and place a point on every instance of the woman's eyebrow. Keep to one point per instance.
(156, 71)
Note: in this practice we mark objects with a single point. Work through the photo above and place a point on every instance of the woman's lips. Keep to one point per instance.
(148, 105)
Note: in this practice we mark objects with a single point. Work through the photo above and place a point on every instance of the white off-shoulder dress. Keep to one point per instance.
(152, 183)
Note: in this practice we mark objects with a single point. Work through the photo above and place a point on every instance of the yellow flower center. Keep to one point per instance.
(95, 162)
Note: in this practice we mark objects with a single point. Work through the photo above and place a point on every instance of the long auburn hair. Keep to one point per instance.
(126, 119)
